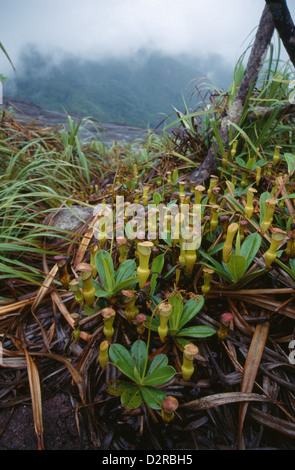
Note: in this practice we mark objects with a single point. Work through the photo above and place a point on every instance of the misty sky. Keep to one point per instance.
(108, 28)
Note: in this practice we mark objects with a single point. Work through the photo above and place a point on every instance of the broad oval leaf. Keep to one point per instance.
(191, 309)
(117, 387)
(250, 247)
(176, 300)
(105, 268)
(126, 270)
(157, 362)
(100, 291)
(126, 284)
(236, 266)
(153, 397)
(131, 398)
(159, 376)
(290, 159)
(139, 355)
(122, 359)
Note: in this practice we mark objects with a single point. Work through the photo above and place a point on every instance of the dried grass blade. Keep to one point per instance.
(44, 289)
(35, 389)
(76, 376)
(15, 305)
(56, 298)
(85, 242)
(250, 369)
(13, 363)
(239, 321)
(272, 422)
(211, 401)
(268, 304)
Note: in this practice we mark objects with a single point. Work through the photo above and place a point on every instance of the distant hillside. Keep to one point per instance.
(139, 91)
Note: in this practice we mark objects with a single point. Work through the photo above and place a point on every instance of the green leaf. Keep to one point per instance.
(82, 159)
(191, 309)
(139, 355)
(290, 159)
(236, 266)
(181, 342)
(156, 269)
(234, 203)
(122, 359)
(159, 376)
(100, 291)
(153, 397)
(117, 387)
(157, 198)
(131, 398)
(291, 270)
(240, 162)
(289, 196)
(251, 163)
(129, 393)
(126, 284)
(126, 270)
(201, 331)
(176, 300)
(89, 310)
(6, 54)
(170, 271)
(250, 247)
(218, 268)
(250, 277)
(217, 136)
(264, 196)
(157, 362)
(105, 269)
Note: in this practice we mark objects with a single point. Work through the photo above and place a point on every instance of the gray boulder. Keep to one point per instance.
(68, 219)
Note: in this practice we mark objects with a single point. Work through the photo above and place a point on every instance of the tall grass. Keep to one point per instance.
(43, 170)
(257, 138)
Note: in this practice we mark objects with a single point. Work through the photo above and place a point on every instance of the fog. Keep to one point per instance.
(97, 29)
(124, 60)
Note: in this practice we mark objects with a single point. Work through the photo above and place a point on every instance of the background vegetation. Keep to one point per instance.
(138, 90)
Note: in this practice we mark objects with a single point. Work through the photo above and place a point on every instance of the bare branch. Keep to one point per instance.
(265, 112)
(284, 25)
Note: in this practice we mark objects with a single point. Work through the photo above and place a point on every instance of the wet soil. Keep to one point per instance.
(60, 427)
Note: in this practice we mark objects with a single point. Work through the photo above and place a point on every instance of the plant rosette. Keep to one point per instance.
(239, 261)
(182, 314)
(144, 376)
(109, 282)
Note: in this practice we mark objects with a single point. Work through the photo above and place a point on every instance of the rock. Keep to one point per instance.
(69, 219)
(107, 133)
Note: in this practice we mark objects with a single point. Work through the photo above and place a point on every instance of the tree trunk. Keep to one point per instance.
(262, 40)
(284, 25)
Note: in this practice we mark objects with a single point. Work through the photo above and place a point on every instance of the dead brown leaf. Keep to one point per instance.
(250, 369)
